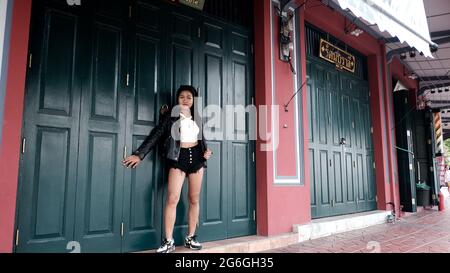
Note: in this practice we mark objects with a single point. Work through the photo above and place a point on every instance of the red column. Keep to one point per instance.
(262, 97)
(279, 205)
(390, 132)
(378, 109)
(12, 124)
(399, 72)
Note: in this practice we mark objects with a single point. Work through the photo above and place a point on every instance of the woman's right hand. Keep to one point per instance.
(132, 161)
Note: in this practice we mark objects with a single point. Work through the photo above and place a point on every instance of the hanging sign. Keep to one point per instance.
(333, 54)
(197, 4)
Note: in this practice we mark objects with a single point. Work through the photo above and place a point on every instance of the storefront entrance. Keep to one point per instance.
(340, 138)
(97, 75)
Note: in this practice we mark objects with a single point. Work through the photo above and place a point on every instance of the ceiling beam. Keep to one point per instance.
(435, 78)
(436, 34)
(439, 101)
(441, 41)
(433, 86)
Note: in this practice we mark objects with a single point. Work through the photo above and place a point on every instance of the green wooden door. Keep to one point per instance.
(240, 149)
(143, 187)
(228, 197)
(100, 178)
(342, 176)
(48, 162)
(98, 76)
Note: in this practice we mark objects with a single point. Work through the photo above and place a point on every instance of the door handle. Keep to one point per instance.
(163, 110)
(343, 141)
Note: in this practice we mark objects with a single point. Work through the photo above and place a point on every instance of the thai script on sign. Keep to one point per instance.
(333, 54)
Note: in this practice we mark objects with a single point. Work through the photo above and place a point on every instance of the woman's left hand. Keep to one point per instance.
(208, 154)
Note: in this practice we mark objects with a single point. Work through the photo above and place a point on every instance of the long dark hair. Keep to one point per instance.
(191, 90)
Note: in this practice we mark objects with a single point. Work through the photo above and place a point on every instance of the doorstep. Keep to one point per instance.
(332, 225)
(313, 230)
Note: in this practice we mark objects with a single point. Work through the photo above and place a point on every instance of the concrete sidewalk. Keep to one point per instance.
(427, 231)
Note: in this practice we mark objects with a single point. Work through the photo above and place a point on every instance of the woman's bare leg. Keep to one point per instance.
(176, 179)
(195, 186)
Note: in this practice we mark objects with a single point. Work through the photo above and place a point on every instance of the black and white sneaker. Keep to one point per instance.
(167, 246)
(192, 243)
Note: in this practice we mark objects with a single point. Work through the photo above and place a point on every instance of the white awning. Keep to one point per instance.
(404, 19)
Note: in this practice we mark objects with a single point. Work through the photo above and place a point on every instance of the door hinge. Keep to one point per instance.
(130, 10)
(332, 203)
(24, 143)
(30, 61)
(251, 48)
(17, 237)
(121, 230)
(374, 165)
(330, 162)
(353, 124)
(354, 164)
(376, 198)
(253, 100)
(369, 93)
(253, 155)
(124, 152)
(254, 215)
(128, 79)
(199, 32)
(371, 130)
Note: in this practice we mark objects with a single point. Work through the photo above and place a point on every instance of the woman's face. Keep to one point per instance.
(186, 99)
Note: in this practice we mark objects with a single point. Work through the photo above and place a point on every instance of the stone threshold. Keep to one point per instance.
(333, 225)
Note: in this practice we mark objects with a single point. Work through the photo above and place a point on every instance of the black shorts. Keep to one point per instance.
(191, 160)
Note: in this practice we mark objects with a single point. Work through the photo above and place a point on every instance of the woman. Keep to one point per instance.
(186, 156)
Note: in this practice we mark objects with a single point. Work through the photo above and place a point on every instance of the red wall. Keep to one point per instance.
(12, 124)
(279, 205)
(400, 72)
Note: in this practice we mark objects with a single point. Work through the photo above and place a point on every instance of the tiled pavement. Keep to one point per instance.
(427, 231)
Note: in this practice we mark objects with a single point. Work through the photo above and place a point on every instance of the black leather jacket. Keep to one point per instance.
(163, 132)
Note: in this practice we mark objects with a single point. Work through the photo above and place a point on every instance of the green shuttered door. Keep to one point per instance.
(96, 82)
(342, 175)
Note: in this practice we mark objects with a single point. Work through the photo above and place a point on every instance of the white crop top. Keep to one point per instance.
(188, 129)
